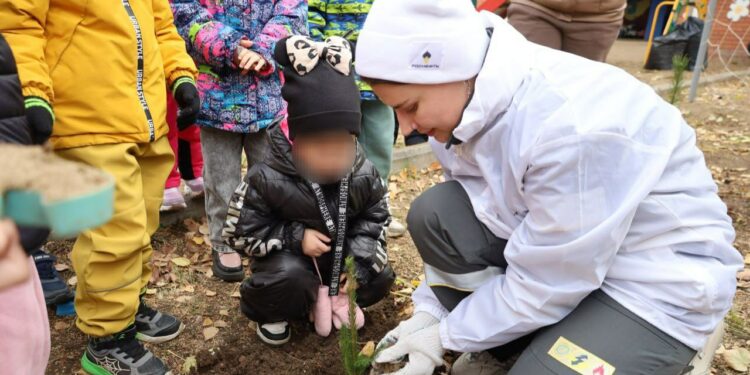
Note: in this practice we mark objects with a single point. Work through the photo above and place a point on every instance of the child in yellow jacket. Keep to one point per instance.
(104, 66)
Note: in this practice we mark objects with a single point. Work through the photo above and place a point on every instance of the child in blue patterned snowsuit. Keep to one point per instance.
(232, 42)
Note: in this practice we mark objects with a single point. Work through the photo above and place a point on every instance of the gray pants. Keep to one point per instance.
(454, 245)
(222, 171)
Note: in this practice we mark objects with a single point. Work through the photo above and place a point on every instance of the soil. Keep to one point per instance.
(720, 116)
(35, 168)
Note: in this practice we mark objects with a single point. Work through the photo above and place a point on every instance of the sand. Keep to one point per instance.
(35, 168)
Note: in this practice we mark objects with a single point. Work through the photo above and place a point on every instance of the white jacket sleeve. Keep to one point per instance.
(581, 193)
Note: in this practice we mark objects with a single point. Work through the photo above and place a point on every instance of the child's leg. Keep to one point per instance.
(282, 287)
(222, 154)
(189, 153)
(377, 289)
(174, 177)
(110, 261)
(256, 146)
(25, 343)
(377, 135)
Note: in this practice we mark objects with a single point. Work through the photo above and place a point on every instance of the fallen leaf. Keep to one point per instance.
(235, 294)
(224, 312)
(189, 288)
(210, 293)
(407, 311)
(183, 299)
(181, 261)
(408, 291)
(369, 349)
(207, 322)
(209, 333)
(220, 324)
(59, 326)
(73, 281)
(737, 358)
(209, 273)
(203, 229)
(192, 225)
(744, 275)
(59, 267)
(747, 259)
(189, 365)
(151, 291)
(198, 240)
(721, 350)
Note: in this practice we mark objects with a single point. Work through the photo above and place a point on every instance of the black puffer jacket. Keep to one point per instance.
(272, 207)
(13, 125)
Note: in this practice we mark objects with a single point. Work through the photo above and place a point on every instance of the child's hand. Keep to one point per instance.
(14, 264)
(245, 59)
(314, 243)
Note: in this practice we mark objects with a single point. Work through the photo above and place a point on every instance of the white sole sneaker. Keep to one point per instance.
(160, 339)
(275, 339)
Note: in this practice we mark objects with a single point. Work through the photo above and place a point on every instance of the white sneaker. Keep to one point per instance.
(395, 229)
(173, 200)
(194, 188)
(481, 363)
(275, 334)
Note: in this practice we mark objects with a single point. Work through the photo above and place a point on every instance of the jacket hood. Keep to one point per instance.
(280, 158)
(506, 65)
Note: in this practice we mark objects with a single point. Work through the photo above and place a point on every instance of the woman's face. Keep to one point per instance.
(434, 110)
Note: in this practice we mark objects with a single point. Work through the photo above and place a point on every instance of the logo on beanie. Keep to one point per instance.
(427, 56)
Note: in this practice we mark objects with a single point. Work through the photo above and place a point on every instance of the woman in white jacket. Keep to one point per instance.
(578, 221)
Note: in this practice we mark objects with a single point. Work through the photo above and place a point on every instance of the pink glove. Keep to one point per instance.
(340, 308)
(322, 312)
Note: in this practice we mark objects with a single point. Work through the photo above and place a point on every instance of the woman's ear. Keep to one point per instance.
(280, 53)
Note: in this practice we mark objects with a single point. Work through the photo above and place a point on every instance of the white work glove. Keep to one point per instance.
(423, 347)
(417, 322)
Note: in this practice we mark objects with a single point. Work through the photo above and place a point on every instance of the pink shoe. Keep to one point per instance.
(322, 312)
(173, 200)
(340, 309)
(194, 188)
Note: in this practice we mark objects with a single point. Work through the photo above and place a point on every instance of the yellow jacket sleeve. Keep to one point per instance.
(22, 23)
(177, 62)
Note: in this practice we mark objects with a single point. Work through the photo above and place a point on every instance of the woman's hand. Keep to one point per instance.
(315, 244)
(245, 59)
(14, 263)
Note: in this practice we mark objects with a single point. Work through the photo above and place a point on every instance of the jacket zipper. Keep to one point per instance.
(139, 70)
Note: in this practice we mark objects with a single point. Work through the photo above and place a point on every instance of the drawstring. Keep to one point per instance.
(315, 262)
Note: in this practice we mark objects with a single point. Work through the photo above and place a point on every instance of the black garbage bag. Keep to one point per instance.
(685, 39)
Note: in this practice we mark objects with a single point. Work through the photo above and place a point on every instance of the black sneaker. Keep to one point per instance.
(55, 290)
(275, 334)
(155, 327)
(121, 354)
(228, 274)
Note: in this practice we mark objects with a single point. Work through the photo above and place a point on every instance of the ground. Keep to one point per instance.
(222, 341)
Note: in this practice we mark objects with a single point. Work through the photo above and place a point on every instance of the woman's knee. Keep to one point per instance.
(433, 203)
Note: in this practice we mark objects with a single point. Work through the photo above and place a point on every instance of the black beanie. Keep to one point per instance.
(319, 85)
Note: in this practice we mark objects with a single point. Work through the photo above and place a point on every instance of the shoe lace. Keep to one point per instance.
(132, 348)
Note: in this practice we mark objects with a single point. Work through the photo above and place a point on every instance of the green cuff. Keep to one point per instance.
(34, 101)
(180, 81)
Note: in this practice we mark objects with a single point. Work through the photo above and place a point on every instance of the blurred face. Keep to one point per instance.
(324, 157)
(434, 110)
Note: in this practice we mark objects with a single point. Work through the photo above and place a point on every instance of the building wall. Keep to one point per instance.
(720, 36)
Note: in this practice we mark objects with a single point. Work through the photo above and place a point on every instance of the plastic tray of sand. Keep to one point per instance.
(40, 189)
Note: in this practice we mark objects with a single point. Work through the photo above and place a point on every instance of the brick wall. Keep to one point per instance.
(720, 36)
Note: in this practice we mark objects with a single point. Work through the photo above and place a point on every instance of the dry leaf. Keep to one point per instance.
(407, 291)
(151, 291)
(224, 312)
(189, 288)
(209, 273)
(747, 259)
(207, 322)
(203, 229)
(183, 299)
(191, 225)
(744, 275)
(59, 267)
(73, 281)
(721, 350)
(220, 324)
(369, 349)
(210, 293)
(235, 294)
(407, 311)
(189, 365)
(59, 326)
(181, 261)
(209, 333)
(738, 359)
(198, 240)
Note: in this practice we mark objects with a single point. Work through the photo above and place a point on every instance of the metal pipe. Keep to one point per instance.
(702, 49)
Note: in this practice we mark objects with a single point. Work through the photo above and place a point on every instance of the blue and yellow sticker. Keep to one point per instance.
(578, 359)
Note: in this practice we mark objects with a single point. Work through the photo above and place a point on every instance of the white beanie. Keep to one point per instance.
(422, 41)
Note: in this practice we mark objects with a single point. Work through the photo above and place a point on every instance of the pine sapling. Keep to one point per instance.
(355, 363)
(679, 66)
